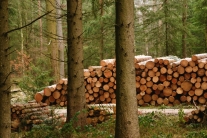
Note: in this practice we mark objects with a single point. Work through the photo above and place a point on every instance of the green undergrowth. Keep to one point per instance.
(152, 125)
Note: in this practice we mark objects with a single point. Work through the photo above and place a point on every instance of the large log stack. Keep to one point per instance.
(169, 82)
(165, 80)
(99, 81)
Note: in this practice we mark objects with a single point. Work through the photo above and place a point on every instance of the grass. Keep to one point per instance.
(152, 125)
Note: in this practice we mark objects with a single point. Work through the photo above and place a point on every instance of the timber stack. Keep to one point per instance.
(53, 95)
(199, 115)
(97, 115)
(99, 81)
(160, 81)
(28, 114)
(170, 82)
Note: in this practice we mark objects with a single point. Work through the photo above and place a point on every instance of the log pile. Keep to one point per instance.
(198, 115)
(28, 114)
(99, 114)
(24, 116)
(100, 81)
(165, 80)
(54, 95)
(169, 82)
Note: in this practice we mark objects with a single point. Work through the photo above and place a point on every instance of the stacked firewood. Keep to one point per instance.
(100, 81)
(54, 95)
(28, 114)
(165, 80)
(24, 116)
(199, 115)
(169, 82)
(99, 114)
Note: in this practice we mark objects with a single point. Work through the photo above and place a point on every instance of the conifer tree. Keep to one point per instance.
(5, 113)
(126, 105)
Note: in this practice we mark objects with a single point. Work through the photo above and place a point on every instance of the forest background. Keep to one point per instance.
(162, 28)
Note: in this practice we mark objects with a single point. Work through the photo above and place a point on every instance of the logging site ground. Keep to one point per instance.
(171, 97)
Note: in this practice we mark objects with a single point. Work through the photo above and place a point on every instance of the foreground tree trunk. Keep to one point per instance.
(126, 105)
(5, 115)
(76, 98)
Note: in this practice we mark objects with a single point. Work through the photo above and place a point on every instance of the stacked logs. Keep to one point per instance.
(198, 115)
(169, 82)
(24, 116)
(100, 81)
(165, 80)
(54, 95)
(28, 114)
(97, 114)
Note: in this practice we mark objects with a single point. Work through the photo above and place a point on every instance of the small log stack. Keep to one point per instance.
(24, 116)
(98, 114)
(28, 114)
(198, 115)
(54, 95)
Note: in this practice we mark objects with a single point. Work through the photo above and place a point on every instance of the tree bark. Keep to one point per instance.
(184, 18)
(101, 2)
(76, 98)
(60, 41)
(5, 112)
(166, 27)
(51, 37)
(126, 103)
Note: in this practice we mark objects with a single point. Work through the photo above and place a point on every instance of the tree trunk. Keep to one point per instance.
(60, 40)
(184, 18)
(166, 27)
(76, 98)
(126, 104)
(206, 33)
(40, 26)
(101, 2)
(51, 37)
(5, 113)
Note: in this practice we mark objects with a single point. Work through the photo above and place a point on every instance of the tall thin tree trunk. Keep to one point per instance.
(40, 26)
(146, 43)
(22, 37)
(76, 99)
(184, 18)
(5, 113)
(166, 28)
(51, 37)
(206, 34)
(60, 40)
(126, 106)
(101, 2)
